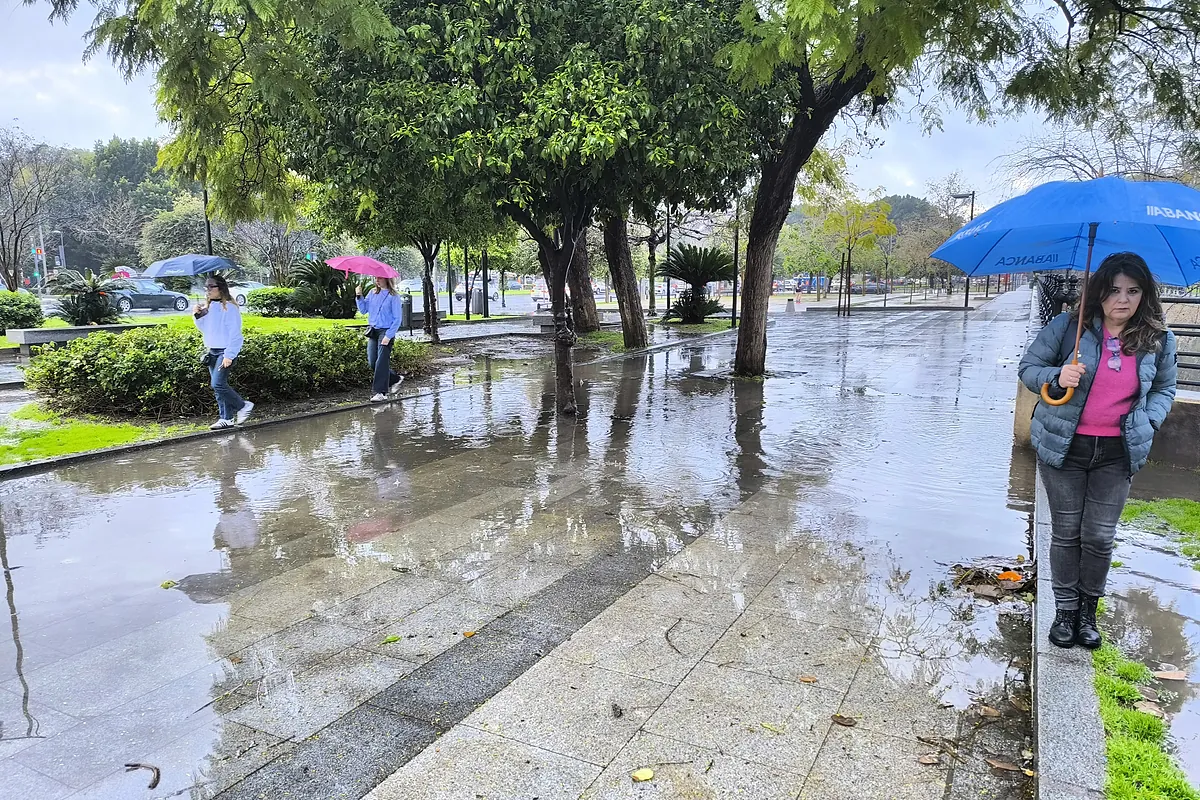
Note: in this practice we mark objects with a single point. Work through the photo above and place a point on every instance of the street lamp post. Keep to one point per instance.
(967, 282)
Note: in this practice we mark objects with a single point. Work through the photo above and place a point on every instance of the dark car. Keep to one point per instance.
(145, 293)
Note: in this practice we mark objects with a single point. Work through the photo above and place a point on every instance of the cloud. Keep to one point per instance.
(55, 96)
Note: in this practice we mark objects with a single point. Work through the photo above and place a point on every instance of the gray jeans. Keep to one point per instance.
(1086, 499)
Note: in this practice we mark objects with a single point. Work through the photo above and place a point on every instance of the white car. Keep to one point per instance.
(415, 286)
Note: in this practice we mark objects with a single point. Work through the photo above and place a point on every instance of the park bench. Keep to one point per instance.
(28, 338)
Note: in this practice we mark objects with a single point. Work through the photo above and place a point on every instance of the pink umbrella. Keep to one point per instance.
(363, 266)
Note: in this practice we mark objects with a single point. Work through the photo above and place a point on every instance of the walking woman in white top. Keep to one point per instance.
(221, 325)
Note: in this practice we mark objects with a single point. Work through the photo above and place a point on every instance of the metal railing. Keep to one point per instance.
(1187, 336)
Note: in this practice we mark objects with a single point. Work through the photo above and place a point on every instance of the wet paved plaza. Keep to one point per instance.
(460, 596)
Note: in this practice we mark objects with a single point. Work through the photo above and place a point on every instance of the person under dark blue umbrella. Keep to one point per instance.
(220, 322)
(1110, 388)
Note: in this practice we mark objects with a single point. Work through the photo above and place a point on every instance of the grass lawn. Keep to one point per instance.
(1180, 517)
(32, 433)
(1139, 765)
(613, 341)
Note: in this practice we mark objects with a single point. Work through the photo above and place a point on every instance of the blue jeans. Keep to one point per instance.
(379, 356)
(229, 402)
(1086, 497)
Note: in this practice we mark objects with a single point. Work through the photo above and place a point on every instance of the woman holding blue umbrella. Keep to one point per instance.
(1106, 372)
(1120, 375)
(220, 322)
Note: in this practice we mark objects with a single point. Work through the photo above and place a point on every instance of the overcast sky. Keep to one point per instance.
(48, 89)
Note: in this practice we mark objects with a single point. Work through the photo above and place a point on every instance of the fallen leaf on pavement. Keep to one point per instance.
(1006, 766)
(1030, 773)
(808, 678)
(1027, 755)
(990, 592)
(391, 639)
(168, 584)
(1018, 703)
(929, 759)
(1171, 675)
(642, 775)
(772, 728)
(988, 711)
(1010, 575)
(617, 711)
(1020, 559)
(468, 634)
(845, 722)
(235, 660)
(1146, 707)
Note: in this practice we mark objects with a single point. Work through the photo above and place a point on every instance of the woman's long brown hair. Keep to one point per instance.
(1148, 327)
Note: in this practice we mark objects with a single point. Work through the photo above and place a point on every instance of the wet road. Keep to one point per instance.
(883, 441)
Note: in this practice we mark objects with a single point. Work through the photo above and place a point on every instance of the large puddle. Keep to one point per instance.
(889, 438)
(1155, 602)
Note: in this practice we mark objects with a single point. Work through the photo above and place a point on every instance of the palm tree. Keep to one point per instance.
(324, 291)
(88, 298)
(697, 267)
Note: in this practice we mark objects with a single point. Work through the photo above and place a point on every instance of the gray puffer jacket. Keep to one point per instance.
(1053, 427)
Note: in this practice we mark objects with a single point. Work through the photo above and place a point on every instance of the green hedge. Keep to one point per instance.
(273, 301)
(156, 372)
(20, 310)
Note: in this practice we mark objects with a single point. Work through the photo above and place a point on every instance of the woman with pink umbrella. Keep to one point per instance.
(382, 307)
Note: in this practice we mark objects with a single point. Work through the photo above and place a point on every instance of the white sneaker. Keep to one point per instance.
(221, 424)
(378, 398)
(244, 414)
(395, 387)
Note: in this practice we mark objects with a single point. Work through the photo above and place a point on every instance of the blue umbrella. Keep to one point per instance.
(191, 264)
(1048, 227)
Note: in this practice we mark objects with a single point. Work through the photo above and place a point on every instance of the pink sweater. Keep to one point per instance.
(1111, 395)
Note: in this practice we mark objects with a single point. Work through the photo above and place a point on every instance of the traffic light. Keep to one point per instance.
(39, 252)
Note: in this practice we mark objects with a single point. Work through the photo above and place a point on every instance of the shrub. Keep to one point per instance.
(19, 310)
(178, 283)
(323, 291)
(271, 302)
(156, 372)
(88, 298)
(697, 267)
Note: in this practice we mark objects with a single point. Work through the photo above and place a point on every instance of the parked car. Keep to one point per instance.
(411, 286)
(240, 289)
(145, 293)
(460, 291)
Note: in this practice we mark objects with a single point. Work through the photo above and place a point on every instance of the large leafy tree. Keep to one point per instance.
(825, 58)
(549, 110)
(856, 226)
(181, 230)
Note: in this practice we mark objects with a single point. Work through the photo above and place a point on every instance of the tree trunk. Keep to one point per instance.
(652, 267)
(429, 252)
(629, 298)
(556, 264)
(771, 206)
(583, 301)
(773, 201)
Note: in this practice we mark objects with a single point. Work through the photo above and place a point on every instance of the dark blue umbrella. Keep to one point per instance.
(1063, 225)
(190, 264)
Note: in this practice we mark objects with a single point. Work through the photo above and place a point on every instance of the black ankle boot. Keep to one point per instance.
(1062, 632)
(1086, 634)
